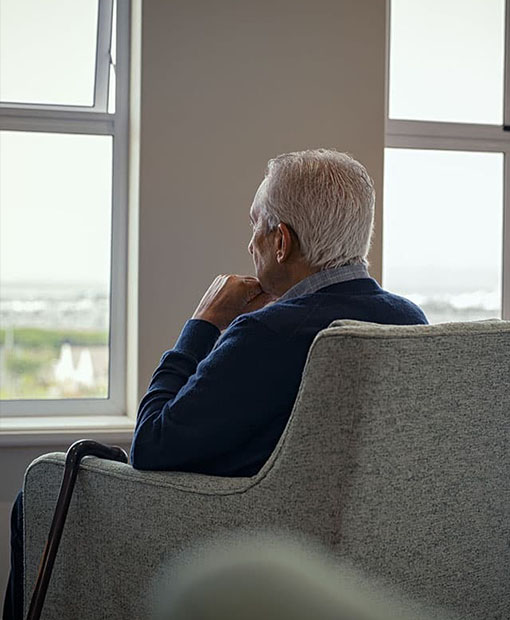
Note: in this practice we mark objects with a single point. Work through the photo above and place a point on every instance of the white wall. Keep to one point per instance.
(225, 86)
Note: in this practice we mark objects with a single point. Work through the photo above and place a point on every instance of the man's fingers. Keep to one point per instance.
(258, 302)
(253, 290)
(249, 284)
(228, 296)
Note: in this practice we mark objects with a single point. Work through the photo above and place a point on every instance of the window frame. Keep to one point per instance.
(93, 120)
(447, 136)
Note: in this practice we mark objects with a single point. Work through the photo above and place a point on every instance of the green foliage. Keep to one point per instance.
(20, 362)
(37, 338)
(29, 358)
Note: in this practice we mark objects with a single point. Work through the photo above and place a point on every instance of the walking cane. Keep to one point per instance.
(74, 455)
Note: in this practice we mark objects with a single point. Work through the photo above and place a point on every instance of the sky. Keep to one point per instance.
(55, 208)
(443, 211)
(55, 189)
(442, 221)
(47, 51)
(446, 60)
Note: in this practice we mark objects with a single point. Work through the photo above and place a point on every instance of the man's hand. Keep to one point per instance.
(228, 297)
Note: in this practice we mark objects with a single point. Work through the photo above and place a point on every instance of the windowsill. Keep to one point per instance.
(41, 431)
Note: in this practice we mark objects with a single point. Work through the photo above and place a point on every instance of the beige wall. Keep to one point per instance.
(227, 84)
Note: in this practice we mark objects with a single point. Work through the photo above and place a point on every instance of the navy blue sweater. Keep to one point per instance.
(219, 405)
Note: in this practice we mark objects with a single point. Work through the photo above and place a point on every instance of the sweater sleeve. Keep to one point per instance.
(203, 402)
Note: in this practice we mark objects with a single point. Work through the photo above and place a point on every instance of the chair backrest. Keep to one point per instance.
(399, 440)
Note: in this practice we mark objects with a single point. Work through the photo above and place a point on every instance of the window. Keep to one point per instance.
(446, 225)
(63, 206)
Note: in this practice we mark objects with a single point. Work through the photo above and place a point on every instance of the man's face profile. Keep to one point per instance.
(260, 246)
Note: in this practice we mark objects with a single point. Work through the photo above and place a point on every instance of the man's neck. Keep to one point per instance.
(322, 278)
(296, 273)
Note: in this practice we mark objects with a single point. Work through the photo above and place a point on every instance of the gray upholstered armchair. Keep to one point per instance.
(396, 457)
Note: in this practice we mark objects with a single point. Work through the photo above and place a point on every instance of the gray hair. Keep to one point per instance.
(328, 199)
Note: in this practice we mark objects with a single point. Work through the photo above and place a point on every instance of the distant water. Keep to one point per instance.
(466, 306)
(54, 306)
(87, 306)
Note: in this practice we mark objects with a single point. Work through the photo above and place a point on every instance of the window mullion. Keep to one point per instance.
(446, 143)
(118, 309)
(63, 122)
(104, 36)
(447, 130)
(506, 89)
(506, 240)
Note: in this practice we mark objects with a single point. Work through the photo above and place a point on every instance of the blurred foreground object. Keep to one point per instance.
(276, 579)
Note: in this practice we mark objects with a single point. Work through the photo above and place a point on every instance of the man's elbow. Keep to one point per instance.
(150, 457)
(144, 449)
(140, 458)
(150, 453)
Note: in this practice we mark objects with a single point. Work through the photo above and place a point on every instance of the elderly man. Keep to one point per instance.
(219, 405)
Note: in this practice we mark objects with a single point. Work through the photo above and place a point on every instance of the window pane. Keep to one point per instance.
(48, 51)
(55, 236)
(443, 231)
(446, 60)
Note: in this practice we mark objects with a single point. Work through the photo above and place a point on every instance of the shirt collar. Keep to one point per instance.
(326, 277)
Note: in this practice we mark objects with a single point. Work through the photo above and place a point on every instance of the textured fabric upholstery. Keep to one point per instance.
(396, 457)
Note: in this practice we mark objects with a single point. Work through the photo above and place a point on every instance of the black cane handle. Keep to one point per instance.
(74, 455)
(87, 447)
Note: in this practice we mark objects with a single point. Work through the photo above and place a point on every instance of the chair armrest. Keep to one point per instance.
(122, 525)
(192, 483)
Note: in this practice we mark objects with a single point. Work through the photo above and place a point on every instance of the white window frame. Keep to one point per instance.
(92, 120)
(461, 137)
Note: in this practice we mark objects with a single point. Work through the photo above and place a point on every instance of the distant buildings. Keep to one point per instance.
(81, 367)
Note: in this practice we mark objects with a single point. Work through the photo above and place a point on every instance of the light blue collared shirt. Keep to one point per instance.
(320, 279)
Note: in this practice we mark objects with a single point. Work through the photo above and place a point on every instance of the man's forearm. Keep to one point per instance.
(175, 368)
(196, 414)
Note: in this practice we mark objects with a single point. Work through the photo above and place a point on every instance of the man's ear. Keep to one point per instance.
(284, 242)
